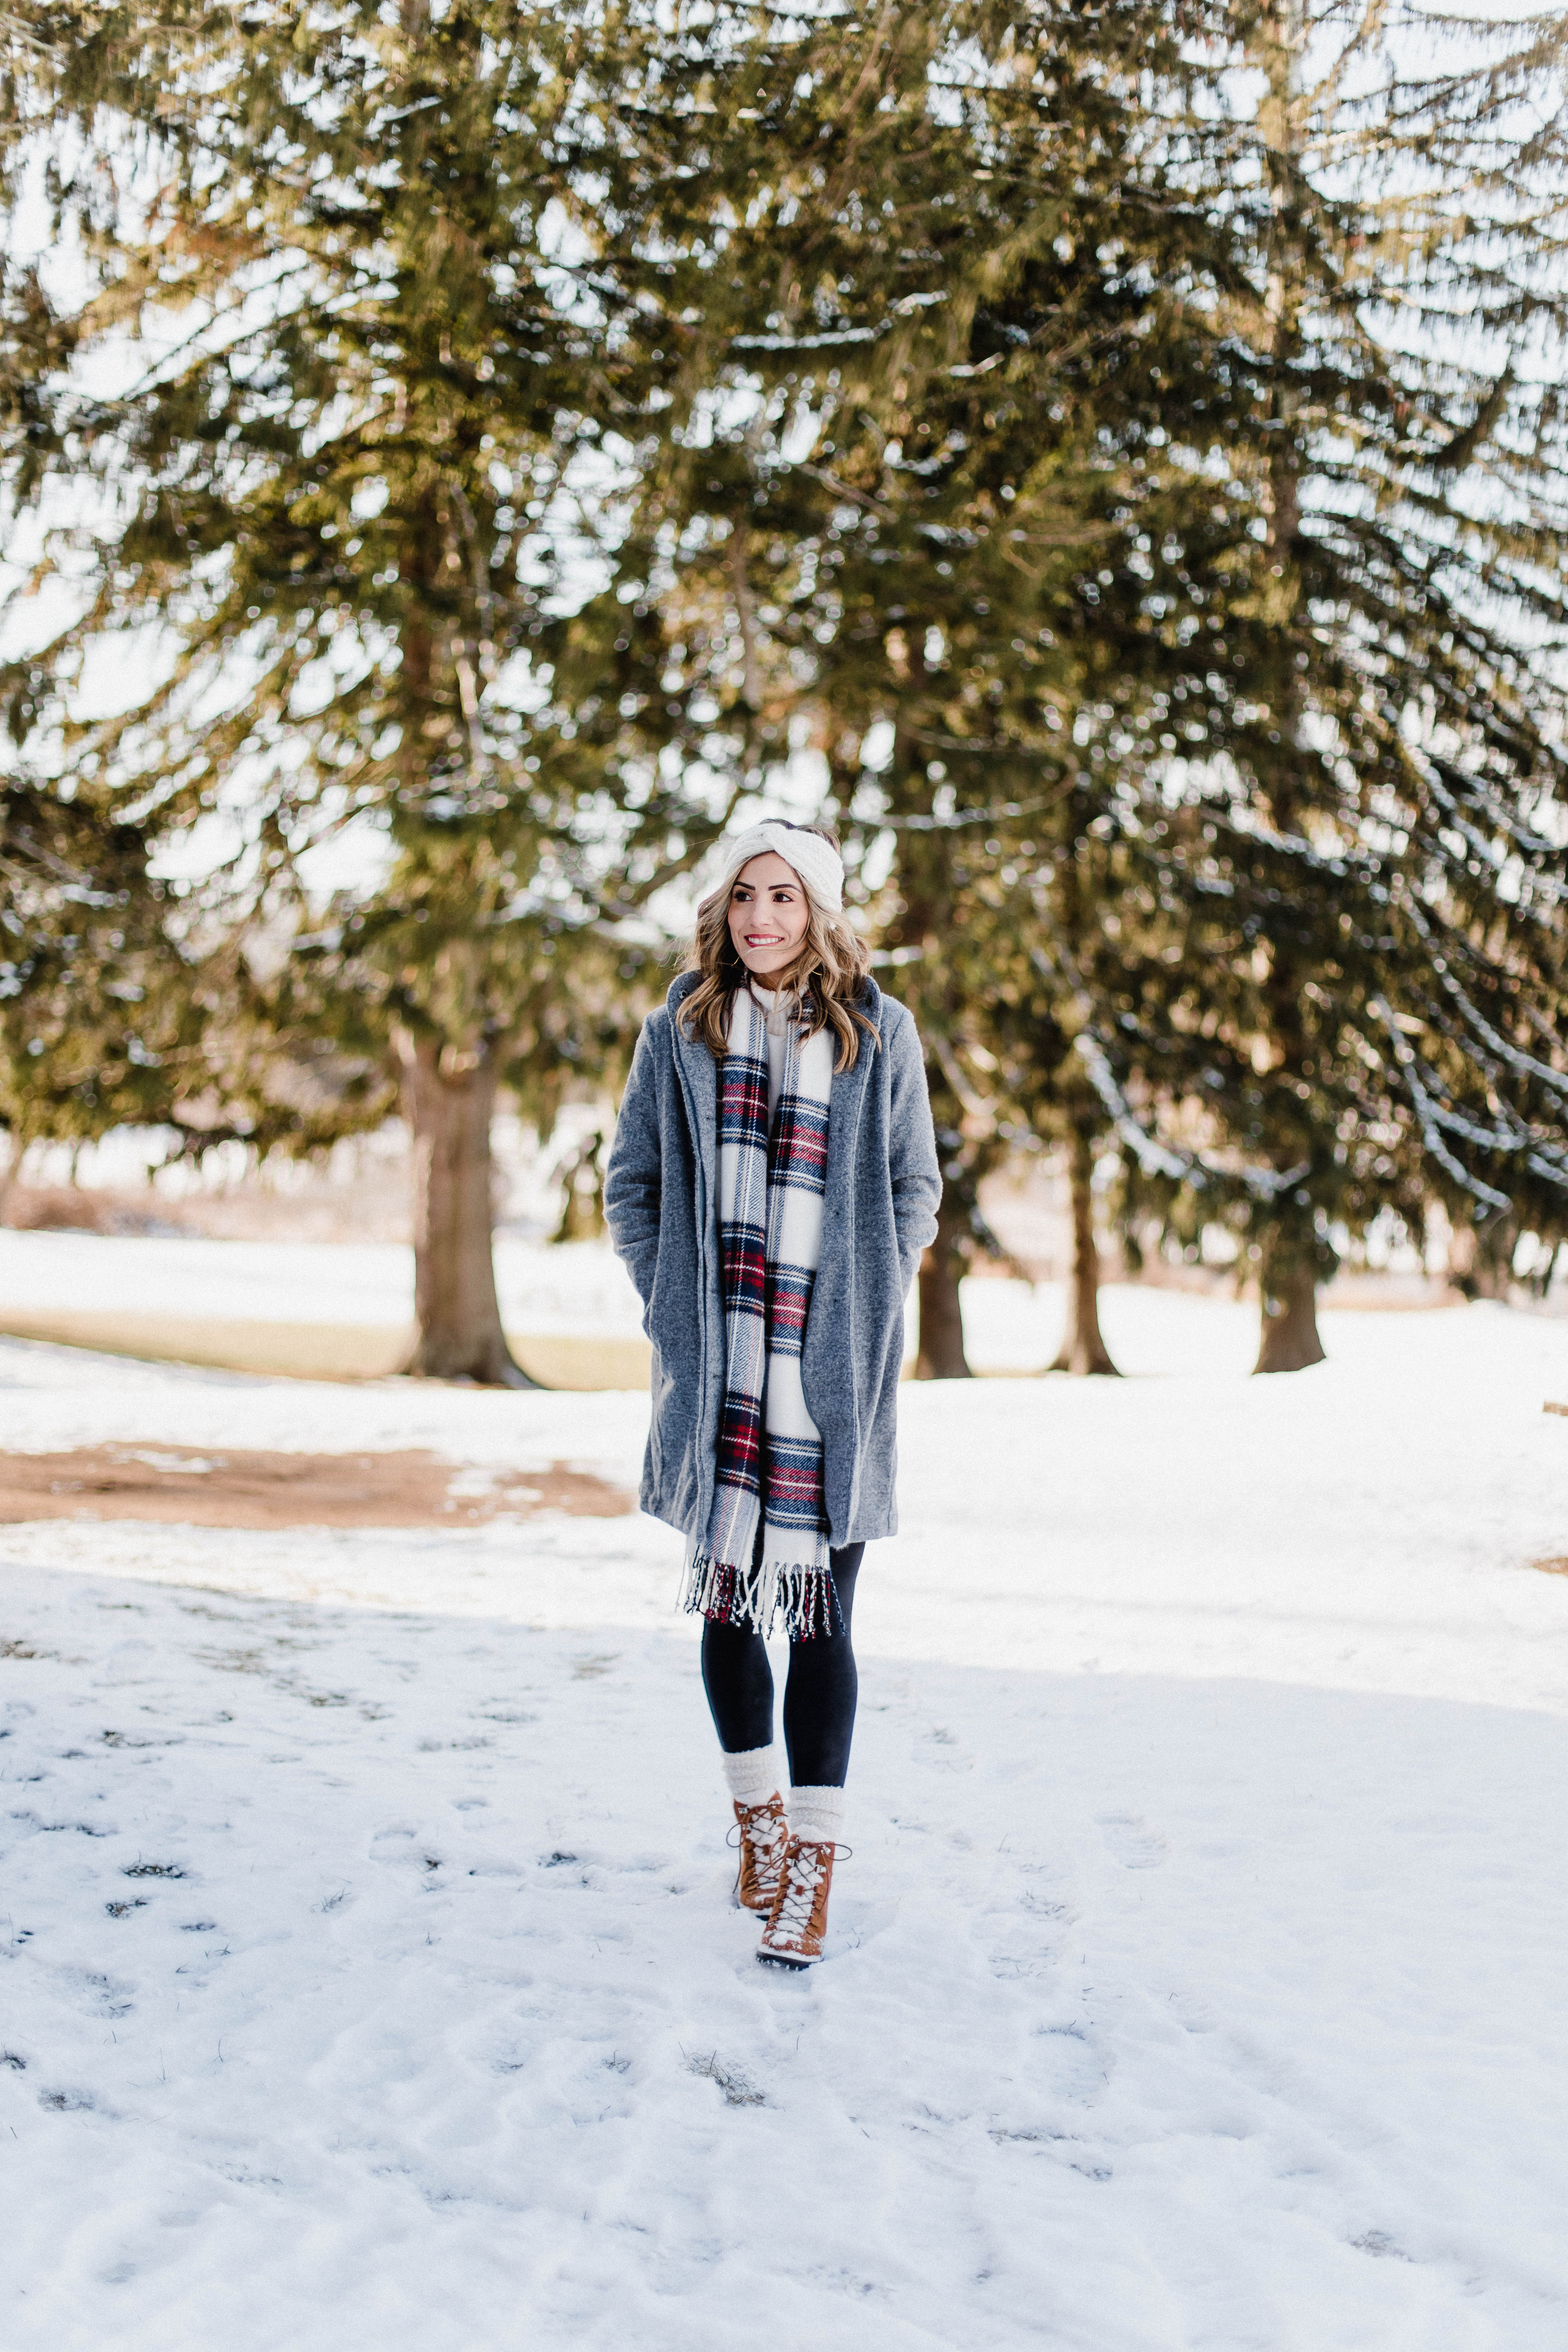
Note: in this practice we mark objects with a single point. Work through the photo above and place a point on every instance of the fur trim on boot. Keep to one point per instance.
(750, 1773)
(816, 1814)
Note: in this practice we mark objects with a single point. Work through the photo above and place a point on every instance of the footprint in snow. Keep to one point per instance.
(1064, 2073)
(1192, 2013)
(1379, 2243)
(1132, 1841)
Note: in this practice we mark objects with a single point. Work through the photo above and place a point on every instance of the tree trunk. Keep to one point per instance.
(1083, 1350)
(447, 1099)
(1480, 1263)
(941, 1356)
(1289, 1340)
(14, 1152)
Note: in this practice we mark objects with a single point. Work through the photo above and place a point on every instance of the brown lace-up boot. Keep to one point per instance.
(798, 1921)
(763, 1834)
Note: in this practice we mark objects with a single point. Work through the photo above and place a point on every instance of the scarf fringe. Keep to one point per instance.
(803, 1597)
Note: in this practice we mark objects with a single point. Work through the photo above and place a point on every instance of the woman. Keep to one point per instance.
(773, 1182)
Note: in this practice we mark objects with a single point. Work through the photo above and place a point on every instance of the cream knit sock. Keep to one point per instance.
(815, 1814)
(751, 1775)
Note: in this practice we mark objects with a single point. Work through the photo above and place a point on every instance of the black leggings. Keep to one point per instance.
(819, 1695)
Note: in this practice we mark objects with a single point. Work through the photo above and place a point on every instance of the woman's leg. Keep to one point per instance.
(819, 1723)
(823, 1685)
(739, 1686)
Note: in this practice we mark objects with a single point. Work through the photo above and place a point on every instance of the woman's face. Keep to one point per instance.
(768, 914)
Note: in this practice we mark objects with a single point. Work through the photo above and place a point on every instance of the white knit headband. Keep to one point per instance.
(816, 862)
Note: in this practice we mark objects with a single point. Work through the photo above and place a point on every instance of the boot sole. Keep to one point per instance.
(787, 1960)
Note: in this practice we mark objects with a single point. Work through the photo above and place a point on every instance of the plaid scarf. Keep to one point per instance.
(769, 1469)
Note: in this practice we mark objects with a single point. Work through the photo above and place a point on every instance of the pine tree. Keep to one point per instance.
(1317, 716)
(359, 471)
(1372, 882)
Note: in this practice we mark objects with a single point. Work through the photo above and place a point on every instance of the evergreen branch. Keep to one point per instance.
(1425, 1113)
(1427, 924)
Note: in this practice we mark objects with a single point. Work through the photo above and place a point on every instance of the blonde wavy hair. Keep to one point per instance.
(826, 977)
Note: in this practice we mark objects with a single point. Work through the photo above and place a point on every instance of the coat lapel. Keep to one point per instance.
(699, 1076)
(846, 1102)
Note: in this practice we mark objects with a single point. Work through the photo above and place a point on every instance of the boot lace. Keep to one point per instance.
(765, 1832)
(801, 1879)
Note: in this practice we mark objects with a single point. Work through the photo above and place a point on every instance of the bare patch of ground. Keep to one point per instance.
(237, 1489)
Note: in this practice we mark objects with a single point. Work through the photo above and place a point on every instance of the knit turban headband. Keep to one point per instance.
(816, 862)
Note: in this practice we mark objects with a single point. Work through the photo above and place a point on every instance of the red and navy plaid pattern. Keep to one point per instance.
(741, 1441)
(744, 1269)
(793, 1486)
(769, 1465)
(788, 1299)
(798, 1149)
(744, 1099)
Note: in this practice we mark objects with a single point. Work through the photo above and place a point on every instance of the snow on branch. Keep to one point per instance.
(903, 308)
(1527, 1064)
(1157, 1159)
(1428, 1116)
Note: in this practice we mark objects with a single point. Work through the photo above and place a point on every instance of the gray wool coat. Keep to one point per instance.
(883, 1185)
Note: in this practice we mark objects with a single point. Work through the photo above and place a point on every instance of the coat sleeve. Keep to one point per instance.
(634, 1178)
(912, 1163)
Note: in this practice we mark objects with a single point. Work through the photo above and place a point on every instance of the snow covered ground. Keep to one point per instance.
(579, 1288)
(1196, 1983)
